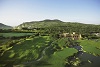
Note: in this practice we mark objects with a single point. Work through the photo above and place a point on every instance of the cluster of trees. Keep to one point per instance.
(75, 27)
(90, 36)
(14, 37)
(15, 31)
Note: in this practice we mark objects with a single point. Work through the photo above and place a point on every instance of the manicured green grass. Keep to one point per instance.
(62, 42)
(91, 46)
(14, 34)
(58, 58)
(29, 50)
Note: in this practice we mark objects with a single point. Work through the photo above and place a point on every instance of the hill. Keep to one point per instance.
(57, 25)
(39, 24)
(3, 26)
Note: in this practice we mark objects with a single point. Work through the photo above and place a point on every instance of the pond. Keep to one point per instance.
(89, 60)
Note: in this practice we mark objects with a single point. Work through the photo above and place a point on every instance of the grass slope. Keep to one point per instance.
(14, 34)
(58, 59)
(91, 46)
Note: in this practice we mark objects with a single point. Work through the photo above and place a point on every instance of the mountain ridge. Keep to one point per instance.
(46, 23)
(3, 26)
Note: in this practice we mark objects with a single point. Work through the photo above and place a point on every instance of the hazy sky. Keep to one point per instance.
(15, 12)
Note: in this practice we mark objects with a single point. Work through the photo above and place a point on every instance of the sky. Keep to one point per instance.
(15, 12)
